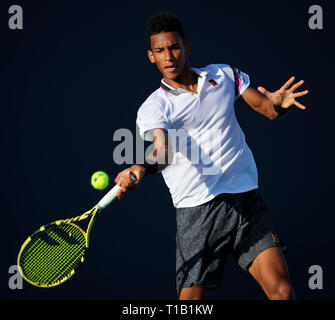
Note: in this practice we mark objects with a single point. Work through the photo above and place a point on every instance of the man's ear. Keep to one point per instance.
(151, 56)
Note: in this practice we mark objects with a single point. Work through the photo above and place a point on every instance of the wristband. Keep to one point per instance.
(280, 109)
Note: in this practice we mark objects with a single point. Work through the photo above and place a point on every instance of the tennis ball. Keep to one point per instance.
(100, 180)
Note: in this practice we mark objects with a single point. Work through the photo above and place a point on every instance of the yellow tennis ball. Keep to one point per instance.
(100, 180)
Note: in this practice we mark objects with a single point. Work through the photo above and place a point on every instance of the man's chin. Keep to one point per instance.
(171, 76)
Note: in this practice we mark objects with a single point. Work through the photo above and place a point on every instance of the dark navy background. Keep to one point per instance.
(78, 71)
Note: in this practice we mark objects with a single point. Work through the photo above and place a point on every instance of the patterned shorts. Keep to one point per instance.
(230, 223)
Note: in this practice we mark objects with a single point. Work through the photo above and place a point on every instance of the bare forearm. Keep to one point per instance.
(262, 104)
(266, 108)
(156, 161)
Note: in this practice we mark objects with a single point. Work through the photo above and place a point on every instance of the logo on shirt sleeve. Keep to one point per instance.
(212, 82)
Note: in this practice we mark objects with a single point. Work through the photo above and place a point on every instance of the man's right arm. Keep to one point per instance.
(155, 162)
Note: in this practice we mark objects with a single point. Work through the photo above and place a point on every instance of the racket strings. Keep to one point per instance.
(57, 275)
(43, 271)
(47, 264)
(34, 267)
(48, 256)
(68, 263)
(38, 244)
(67, 268)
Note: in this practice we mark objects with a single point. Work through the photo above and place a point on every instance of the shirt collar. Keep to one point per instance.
(201, 73)
(166, 87)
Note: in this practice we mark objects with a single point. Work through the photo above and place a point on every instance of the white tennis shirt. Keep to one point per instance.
(211, 155)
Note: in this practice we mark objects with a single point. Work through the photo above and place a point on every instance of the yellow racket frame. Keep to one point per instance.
(93, 213)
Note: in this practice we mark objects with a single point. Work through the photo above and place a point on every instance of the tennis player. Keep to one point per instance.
(219, 208)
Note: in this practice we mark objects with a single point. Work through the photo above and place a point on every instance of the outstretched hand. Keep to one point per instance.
(285, 96)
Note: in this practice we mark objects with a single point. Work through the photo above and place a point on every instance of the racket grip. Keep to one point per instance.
(111, 195)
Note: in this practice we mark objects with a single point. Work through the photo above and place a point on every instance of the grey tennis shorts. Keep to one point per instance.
(230, 223)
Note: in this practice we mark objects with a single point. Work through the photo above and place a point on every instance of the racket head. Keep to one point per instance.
(52, 254)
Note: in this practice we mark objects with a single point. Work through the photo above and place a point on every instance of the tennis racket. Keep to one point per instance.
(53, 253)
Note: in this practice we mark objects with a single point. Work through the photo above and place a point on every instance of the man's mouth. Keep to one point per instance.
(170, 68)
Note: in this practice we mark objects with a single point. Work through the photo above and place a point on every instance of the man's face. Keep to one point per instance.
(169, 53)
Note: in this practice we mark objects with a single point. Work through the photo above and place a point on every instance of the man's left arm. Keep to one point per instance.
(274, 105)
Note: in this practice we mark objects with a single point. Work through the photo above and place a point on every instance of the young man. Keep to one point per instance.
(219, 207)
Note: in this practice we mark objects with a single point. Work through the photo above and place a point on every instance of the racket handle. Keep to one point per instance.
(111, 195)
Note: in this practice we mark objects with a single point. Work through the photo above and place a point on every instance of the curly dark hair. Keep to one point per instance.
(164, 22)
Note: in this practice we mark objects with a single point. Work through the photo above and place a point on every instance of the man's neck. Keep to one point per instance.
(188, 80)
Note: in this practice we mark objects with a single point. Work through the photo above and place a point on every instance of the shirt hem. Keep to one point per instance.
(212, 196)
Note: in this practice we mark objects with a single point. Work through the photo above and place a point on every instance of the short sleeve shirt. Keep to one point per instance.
(211, 155)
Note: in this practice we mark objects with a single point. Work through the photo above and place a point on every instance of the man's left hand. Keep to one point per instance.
(285, 96)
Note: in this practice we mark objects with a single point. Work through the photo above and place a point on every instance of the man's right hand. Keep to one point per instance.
(124, 180)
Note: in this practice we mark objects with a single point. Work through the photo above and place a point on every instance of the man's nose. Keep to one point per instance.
(168, 55)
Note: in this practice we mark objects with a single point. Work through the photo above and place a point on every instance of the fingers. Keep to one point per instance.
(262, 90)
(287, 83)
(300, 94)
(297, 85)
(299, 105)
(121, 191)
(119, 194)
(124, 181)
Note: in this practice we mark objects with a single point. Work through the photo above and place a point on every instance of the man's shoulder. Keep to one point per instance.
(156, 98)
(217, 67)
(218, 71)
